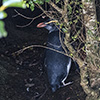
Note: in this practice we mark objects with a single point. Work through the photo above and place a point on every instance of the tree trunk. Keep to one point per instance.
(90, 73)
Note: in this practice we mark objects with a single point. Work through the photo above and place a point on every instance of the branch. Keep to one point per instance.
(25, 24)
(65, 5)
(56, 7)
(39, 46)
(32, 19)
(43, 10)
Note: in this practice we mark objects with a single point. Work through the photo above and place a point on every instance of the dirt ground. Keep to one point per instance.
(23, 76)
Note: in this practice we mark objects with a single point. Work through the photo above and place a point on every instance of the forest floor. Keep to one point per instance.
(23, 76)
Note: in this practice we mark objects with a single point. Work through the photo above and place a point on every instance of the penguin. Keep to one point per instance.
(57, 65)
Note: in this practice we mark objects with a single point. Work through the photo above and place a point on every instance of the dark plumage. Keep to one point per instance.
(57, 65)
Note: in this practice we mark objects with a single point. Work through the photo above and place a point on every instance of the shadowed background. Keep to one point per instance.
(22, 76)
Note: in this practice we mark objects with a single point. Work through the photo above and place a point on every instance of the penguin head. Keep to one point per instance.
(49, 25)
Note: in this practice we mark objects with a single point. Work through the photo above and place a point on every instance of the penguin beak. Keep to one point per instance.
(40, 25)
(52, 21)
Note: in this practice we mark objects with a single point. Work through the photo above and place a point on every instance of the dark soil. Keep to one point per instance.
(23, 76)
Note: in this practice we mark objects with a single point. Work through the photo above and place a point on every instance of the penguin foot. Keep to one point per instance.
(65, 84)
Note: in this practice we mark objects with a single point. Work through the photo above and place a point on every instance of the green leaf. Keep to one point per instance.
(36, 1)
(89, 32)
(27, 5)
(30, 2)
(71, 54)
(57, 1)
(47, 0)
(32, 8)
(77, 11)
(81, 5)
(70, 22)
(70, 9)
(41, 2)
(3, 33)
(75, 21)
(14, 3)
(3, 15)
(64, 30)
(71, 2)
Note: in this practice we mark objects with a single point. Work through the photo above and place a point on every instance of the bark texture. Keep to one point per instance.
(90, 74)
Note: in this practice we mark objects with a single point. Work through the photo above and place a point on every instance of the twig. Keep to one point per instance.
(32, 19)
(56, 7)
(26, 24)
(61, 41)
(19, 14)
(40, 46)
(45, 12)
